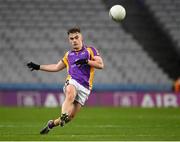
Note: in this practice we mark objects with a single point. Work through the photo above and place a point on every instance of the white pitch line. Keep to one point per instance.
(83, 126)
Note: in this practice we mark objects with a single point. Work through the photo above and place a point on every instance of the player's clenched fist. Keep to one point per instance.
(33, 66)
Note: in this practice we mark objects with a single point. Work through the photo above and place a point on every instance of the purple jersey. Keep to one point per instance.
(83, 74)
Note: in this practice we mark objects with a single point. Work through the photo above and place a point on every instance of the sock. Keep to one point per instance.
(51, 125)
(57, 121)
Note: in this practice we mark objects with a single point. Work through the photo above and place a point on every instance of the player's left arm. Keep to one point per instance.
(95, 59)
(96, 62)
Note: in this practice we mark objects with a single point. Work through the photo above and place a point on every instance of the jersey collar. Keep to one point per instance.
(83, 47)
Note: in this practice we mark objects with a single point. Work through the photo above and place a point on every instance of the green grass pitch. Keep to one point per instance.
(92, 123)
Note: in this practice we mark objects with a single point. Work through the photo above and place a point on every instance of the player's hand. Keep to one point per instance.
(81, 62)
(33, 66)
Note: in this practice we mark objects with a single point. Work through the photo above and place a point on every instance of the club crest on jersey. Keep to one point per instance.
(82, 53)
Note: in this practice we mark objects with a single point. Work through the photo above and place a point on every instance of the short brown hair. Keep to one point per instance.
(74, 30)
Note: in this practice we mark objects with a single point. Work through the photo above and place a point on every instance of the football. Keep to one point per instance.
(117, 13)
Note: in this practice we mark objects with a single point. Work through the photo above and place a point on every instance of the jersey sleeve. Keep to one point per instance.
(93, 51)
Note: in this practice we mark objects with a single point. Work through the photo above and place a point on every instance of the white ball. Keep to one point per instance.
(117, 13)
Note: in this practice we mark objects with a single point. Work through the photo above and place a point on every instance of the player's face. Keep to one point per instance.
(75, 39)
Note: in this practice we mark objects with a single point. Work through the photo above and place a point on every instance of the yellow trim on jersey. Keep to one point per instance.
(68, 77)
(91, 78)
(65, 60)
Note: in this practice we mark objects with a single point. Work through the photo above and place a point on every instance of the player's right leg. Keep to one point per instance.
(73, 101)
(68, 104)
(46, 129)
(53, 123)
(67, 109)
(76, 108)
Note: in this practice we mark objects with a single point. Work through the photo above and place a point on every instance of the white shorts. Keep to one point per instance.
(82, 92)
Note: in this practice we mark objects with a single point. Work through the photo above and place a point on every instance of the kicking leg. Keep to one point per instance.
(69, 109)
(70, 94)
(46, 129)
(68, 104)
(76, 108)
(53, 123)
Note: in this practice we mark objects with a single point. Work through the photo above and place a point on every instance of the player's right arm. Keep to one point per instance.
(53, 67)
(48, 68)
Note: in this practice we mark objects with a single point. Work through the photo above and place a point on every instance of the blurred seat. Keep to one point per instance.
(35, 30)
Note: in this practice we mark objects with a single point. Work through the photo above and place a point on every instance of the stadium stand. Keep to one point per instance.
(145, 29)
(35, 30)
(167, 13)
